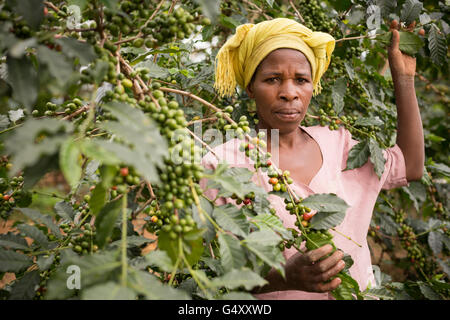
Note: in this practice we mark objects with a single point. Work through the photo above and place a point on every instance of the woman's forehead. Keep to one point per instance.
(280, 59)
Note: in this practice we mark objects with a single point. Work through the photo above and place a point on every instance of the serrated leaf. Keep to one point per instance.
(108, 291)
(264, 237)
(325, 202)
(69, 155)
(237, 278)
(44, 262)
(231, 218)
(23, 79)
(11, 261)
(92, 150)
(327, 220)
(210, 8)
(428, 291)
(160, 259)
(411, 10)
(231, 253)
(25, 287)
(201, 221)
(105, 221)
(435, 241)
(13, 241)
(64, 210)
(373, 121)
(410, 43)
(31, 10)
(437, 44)
(149, 286)
(376, 157)
(40, 218)
(192, 245)
(273, 222)
(59, 66)
(338, 93)
(269, 254)
(94, 269)
(358, 155)
(77, 49)
(34, 233)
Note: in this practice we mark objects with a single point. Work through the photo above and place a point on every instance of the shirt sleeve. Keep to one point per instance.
(395, 169)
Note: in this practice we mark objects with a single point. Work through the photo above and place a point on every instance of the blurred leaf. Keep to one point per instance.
(231, 254)
(34, 233)
(337, 94)
(11, 261)
(108, 291)
(25, 287)
(411, 10)
(231, 218)
(210, 8)
(77, 49)
(106, 220)
(237, 278)
(376, 157)
(69, 156)
(23, 79)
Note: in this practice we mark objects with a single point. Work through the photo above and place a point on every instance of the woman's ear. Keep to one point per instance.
(249, 90)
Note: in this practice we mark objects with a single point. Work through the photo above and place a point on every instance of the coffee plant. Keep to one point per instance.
(115, 96)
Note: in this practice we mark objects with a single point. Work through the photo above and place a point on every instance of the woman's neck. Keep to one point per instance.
(286, 141)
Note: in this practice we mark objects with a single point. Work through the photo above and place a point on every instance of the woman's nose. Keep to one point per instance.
(287, 91)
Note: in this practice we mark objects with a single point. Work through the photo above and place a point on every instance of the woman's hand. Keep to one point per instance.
(306, 272)
(402, 65)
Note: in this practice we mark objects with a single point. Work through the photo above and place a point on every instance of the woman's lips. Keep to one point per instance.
(287, 115)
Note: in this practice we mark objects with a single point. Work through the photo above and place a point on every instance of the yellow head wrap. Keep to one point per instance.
(239, 57)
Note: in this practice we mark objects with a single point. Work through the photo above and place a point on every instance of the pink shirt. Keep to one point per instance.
(358, 187)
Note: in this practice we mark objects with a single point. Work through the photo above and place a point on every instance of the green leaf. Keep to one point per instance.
(437, 44)
(271, 221)
(410, 43)
(237, 296)
(13, 241)
(95, 269)
(40, 218)
(358, 155)
(69, 155)
(11, 261)
(373, 121)
(231, 253)
(77, 49)
(338, 93)
(64, 210)
(428, 291)
(92, 150)
(34, 233)
(324, 220)
(105, 221)
(59, 66)
(376, 157)
(22, 77)
(160, 259)
(108, 291)
(325, 202)
(149, 286)
(210, 8)
(264, 237)
(154, 70)
(231, 218)
(341, 5)
(239, 278)
(192, 245)
(25, 287)
(435, 241)
(98, 199)
(44, 263)
(411, 10)
(132, 241)
(30, 10)
(271, 255)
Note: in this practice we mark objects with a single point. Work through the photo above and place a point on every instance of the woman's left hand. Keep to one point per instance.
(401, 64)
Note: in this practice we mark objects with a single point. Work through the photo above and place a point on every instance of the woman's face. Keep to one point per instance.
(282, 88)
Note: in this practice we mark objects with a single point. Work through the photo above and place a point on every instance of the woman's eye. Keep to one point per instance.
(301, 80)
(273, 79)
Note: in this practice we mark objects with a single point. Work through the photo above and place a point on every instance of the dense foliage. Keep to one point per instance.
(117, 96)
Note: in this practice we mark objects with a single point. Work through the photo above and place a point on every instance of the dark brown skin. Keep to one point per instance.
(282, 84)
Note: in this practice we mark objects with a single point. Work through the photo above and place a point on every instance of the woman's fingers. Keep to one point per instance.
(394, 24)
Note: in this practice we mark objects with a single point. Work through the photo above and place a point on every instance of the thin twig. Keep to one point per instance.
(296, 11)
(203, 143)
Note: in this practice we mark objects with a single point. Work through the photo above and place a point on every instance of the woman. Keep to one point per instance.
(280, 63)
